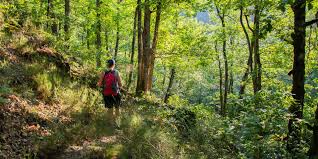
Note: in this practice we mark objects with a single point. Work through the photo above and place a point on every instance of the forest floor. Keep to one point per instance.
(50, 108)
(29, 129)
(36, 122)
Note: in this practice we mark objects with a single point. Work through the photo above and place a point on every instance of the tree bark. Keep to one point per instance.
(144, 83)
(168, 93)
(98, 36)
(231, 82)
(117, 42)
(220, 81)
(226, 67)
(154, 45)
(132, 50)
(298, 91)
(140, 50)
(117, 32)
(67, 10)
(146, 46)
(107, 41)
(257, 61)
(250, 56)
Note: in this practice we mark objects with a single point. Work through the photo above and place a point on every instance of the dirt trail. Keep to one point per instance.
(100, 146)
(91, 149)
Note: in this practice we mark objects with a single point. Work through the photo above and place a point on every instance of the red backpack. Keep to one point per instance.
(110, 84)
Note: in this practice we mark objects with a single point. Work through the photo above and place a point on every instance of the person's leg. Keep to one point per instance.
(118, 102)
(110, 114)
(109, 105)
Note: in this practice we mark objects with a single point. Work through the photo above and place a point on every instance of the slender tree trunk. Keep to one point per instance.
(257, 62)
(140, 50)
(226, 67)
(117, 32)
(220, 81)
(98, 32)
(67, 10)
(226, 80)
(231, 82)
(298, 72)
(250, 56)
(168, 93)
(107, 41)
(117, 42)
(132, 50)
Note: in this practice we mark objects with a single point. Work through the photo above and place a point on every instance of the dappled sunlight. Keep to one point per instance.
(157, 79)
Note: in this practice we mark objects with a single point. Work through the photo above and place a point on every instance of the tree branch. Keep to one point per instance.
(311, 22)
(248, 24)
(218, 12)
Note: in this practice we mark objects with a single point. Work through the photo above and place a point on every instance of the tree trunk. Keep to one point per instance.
(107, 41)
(67, 11)
(220, 81)
(140, 50)
(98, 36)
(226, 67)
(117, 42)
(298, 72)
(117, 33)
(144, 83)
(257, 62)
(250, 57)
(146, 46)
(132, 50)
(154, 45)
(231, 82)
(168, 93)
(313, 151)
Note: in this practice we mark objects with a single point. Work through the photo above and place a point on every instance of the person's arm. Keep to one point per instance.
(100, 80)
(119, 81)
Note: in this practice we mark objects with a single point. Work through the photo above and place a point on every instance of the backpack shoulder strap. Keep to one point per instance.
(116, 73)
(107, 71)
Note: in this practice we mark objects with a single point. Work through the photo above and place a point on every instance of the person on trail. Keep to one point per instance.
(110, 81)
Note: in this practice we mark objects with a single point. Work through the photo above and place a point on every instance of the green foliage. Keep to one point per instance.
(189, 126)
(4, 91)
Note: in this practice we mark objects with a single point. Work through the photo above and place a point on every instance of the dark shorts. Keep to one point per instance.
(111, 101)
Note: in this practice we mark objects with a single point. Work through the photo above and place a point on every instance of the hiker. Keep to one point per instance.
(110, 81)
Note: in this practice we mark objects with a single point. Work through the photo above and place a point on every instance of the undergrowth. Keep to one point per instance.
(146, 128)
